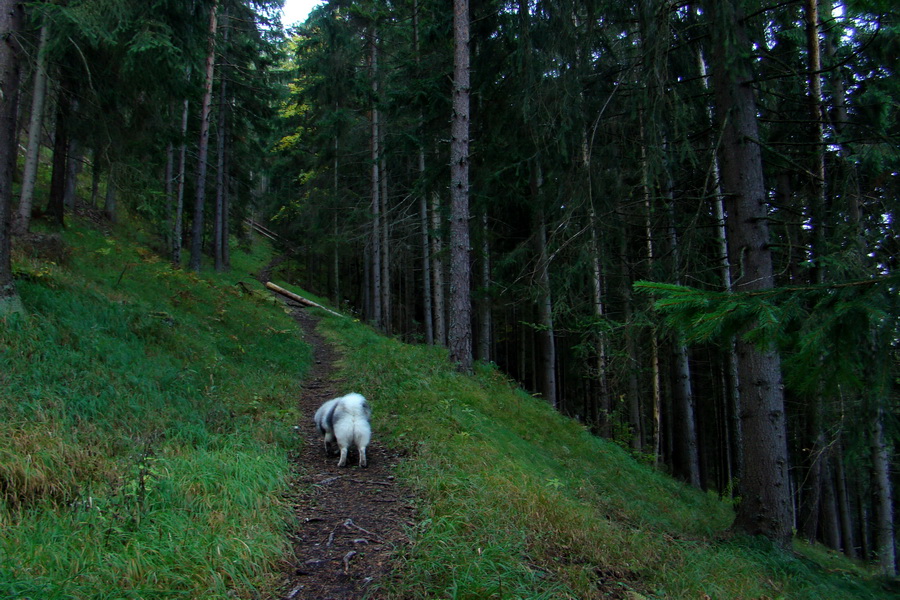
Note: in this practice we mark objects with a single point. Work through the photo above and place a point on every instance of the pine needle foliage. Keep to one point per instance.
(827, 333)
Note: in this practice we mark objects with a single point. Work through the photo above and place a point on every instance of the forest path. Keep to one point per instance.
(349, 522)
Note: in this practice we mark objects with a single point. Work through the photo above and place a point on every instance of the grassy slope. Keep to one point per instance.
(145, 424)
(519, 502)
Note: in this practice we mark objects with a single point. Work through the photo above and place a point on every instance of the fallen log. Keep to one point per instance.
(300, 299)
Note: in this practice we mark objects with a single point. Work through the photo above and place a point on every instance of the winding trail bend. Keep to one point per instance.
(350, 522)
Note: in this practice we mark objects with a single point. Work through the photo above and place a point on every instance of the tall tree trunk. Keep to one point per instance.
(604, 406)
(427, 316)
(96, 174)
(220, 230)
(884, 514)
(427, 304)
(385, 233)
(831, 527)
(812, 483)
(656, 397)
(546, 342)
(335, 263)
(682, 392)
(169, 191)
(682, 395)
(601, 406)
(177, 231)
(56, 207)
(368, 310)
(865, 522)
(631, 357)
(815, 484)
(109, 204)
(485, 321)
(11, 18)
(845, 507)
(73, 162)
(460, 334)
(225, 233)
(732, 387)
(203, 147)
(336, 257)
(657, 433)
(766, 507)
(839, 119)
(683, 415)
(437, 271)
(817, 170)
(35, 126)
(220, 238)
(377, 293)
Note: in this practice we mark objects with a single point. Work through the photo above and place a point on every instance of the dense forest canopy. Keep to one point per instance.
(674, 221)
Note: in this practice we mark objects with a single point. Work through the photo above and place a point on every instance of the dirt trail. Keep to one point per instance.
(349, 521)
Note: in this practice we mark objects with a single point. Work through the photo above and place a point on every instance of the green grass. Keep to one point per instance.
(516, 501)
(146, 424)
(146, 429)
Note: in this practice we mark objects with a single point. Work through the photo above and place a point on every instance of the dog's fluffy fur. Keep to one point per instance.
(345, 420)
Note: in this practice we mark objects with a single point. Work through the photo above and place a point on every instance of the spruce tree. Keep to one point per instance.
(11, 17)
(460, 331)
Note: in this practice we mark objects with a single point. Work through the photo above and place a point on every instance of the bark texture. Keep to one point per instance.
(35, 125)
(11, 16)
(460, 334)
(766, 506)
(203, 146)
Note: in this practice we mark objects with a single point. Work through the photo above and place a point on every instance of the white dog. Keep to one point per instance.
(346, 421)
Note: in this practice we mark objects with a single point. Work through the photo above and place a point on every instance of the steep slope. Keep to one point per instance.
(148, 430)
(146, 420)
(517, 501)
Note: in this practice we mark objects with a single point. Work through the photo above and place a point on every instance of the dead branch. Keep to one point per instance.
(347, 558)
(349, 523)
(372, 482)
(300, 299)
(329, 480)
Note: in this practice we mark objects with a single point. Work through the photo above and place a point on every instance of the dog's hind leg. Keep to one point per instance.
(343, 461)
(361, 437)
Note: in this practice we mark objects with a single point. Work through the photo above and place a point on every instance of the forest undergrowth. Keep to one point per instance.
(147, 429)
